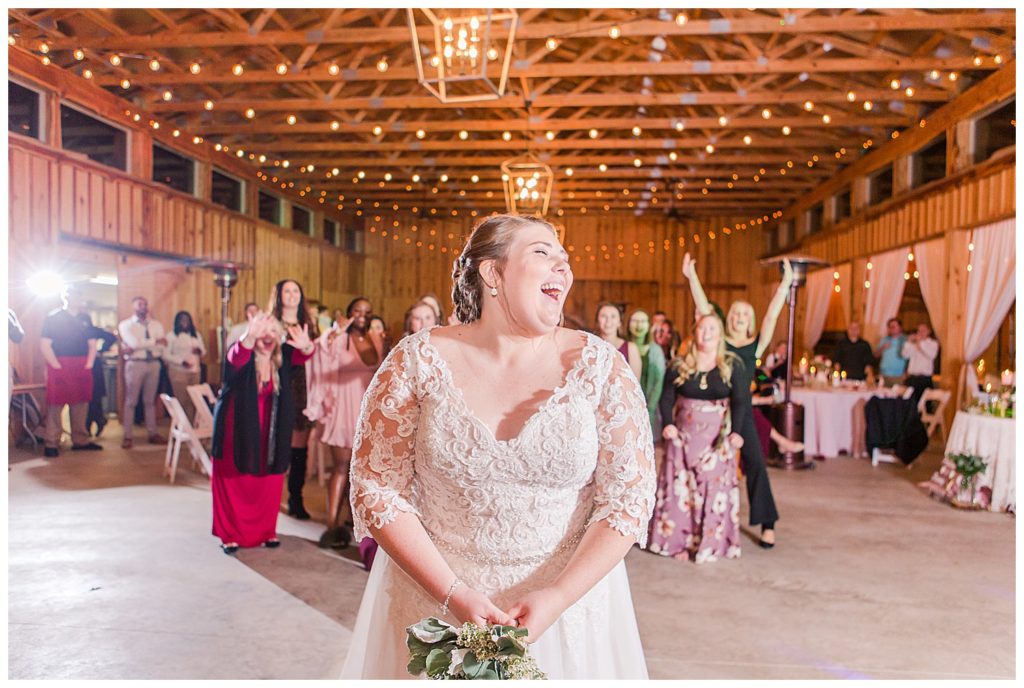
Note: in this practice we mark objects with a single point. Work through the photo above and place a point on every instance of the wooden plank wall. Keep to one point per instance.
(63, 208)
(402, 271)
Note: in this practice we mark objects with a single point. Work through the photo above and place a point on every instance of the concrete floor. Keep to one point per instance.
(113, 573)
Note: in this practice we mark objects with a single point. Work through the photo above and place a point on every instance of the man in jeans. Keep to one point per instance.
(142, 344)
(69, 352)
(892, 365)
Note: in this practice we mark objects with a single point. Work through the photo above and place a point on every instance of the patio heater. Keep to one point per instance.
(225, 276)
(789, 414)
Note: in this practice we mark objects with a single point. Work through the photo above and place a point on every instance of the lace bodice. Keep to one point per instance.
(511, 505)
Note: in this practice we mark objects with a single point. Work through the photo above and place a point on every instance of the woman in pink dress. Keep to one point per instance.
(252, 425)
(346, 358)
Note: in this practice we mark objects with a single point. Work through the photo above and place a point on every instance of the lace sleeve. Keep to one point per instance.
(625, 462)
(384, 447)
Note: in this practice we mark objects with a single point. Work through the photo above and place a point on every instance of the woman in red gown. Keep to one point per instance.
(252, 433)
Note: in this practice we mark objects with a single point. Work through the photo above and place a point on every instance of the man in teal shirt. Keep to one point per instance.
(892, 365)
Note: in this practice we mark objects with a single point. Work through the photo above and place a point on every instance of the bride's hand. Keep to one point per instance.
(472, 605)
(537, 610)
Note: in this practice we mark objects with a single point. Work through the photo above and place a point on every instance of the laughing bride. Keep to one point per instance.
(505, 466)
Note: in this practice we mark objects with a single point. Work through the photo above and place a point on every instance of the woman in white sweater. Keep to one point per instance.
(183, 355)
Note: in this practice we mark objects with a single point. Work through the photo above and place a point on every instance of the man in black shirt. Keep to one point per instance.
(69, 353)
(854, 355)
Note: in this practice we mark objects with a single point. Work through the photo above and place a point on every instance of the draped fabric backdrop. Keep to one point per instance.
(819, 293)
(930, 258)
(990, 289)
(885, 294)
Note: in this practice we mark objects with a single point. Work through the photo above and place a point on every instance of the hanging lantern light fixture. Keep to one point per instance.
(527, 183)
(468, 54)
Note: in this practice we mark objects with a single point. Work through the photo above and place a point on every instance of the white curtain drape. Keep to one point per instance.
(990, 289)
(885, 294)
(930, 258)
(817, 294)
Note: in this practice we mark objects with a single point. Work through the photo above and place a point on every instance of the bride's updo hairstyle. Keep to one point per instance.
(490, 240)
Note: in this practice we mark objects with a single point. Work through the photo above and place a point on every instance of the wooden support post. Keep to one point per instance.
(952, 356)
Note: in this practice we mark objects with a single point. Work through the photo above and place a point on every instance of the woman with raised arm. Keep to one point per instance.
(252, 429)
(743, 339)
(505, 466)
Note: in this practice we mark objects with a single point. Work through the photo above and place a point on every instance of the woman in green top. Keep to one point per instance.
(652, 375)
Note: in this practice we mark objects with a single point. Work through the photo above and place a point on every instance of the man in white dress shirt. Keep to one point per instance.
(920, 350)
(142, 345)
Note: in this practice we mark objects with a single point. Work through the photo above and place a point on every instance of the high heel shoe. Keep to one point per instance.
(764, 544)
(229, 549)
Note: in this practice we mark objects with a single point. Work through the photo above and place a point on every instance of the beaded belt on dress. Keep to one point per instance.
(510, 561)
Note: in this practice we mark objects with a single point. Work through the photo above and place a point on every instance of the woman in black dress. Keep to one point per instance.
(288, 306)
(748, 344)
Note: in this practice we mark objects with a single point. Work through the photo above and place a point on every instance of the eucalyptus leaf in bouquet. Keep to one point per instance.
(470, 652)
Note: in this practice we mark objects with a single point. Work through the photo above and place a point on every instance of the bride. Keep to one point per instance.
(505, 466)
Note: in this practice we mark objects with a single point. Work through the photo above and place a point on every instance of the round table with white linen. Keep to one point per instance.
(834, 418)
(992, 439)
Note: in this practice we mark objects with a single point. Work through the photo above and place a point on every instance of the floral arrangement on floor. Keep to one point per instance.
(956, 482)
(445, 652)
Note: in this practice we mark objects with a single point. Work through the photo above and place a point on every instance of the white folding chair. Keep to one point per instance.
(937, 417)
(182, 433)
(202, 396)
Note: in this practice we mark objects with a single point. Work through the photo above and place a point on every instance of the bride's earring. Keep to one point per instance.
(494, 291)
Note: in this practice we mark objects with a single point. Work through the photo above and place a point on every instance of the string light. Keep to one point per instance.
(681, 18)
(709, 148)
(125, 84)
(637, 162)
(614, 32)
(851, 96)
(492, 53)
(568, 172)
(115, 60)
(977, 61)
(378, 130)
(281, 68)
(291, 119)
(475, 178)
(637, 131)
(44, 48)
(998, 59)
(46, 60)
(444, 178)
(827, 118)
(603, 167)
(808, 105)
(167, 95)
(933, 75)
(208, 105)
(420, 133)
(551, 44)
(766, 113)
(723, 120)
(747, 139)
(593, 133)
(506, 135)
(195, 68)
(895, 84)
(786, 131)
(868, 105)
(382, 64)
(250, 113)
(463, 134)
(333, 69)
(79, 54)
(953, 76)
(238, 69)
(549, 135)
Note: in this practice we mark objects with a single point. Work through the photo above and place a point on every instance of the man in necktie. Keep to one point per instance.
(142, 344)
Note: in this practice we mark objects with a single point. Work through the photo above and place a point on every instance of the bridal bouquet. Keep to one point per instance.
(470, 652)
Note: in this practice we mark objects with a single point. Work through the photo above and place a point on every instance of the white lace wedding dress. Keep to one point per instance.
(506, 514)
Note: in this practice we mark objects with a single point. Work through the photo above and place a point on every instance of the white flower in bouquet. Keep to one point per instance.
(445, 652)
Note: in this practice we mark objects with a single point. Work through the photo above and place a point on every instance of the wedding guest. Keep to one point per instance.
(435, 303)
(142, 345)
(920, 350)
(892, 364)
(337, 316)
(696, 515)
(775, 363)
(236, 331)
(104, 341)
(252, 425)
(652, 375)
(420, 316)
(324, 320)
(69, 350)
(182, 355)
(288, 306)
(346, 358)
(667, 338)
(609, 324)
(744, 339)
(379, 329)
(854, 354)
(16, 334)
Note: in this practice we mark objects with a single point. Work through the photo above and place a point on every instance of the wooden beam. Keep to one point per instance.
(517, 102)
(791, 24)
(604, 125)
